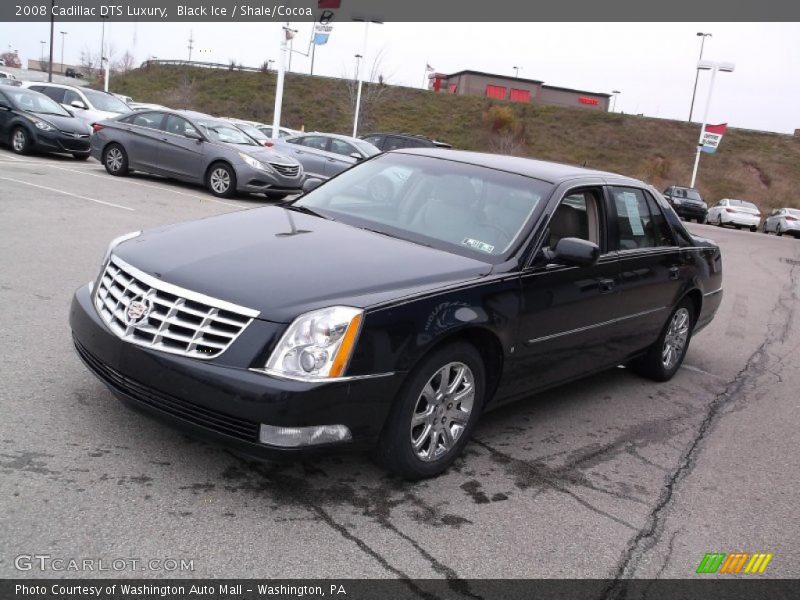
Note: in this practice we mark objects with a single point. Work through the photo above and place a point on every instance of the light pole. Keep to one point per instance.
(614, 94)
(41, 54)
(286, 35)
(707, 65)
(516, 71)
(702, 37)
(358, 74)
(63, 35)
(358, 58)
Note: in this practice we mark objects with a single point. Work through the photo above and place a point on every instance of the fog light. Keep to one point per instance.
(293, 437)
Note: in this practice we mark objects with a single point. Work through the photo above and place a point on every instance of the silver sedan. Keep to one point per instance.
(783, 220)
(324, 155)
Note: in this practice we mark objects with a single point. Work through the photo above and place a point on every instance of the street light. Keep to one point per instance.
(63, 35)
(702, 37)
(358, 58)
(41, 54)
(516, 71)
(614, 94)
(360, 78)
(707, 65)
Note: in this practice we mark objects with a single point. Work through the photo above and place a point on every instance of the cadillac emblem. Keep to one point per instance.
(138, 310)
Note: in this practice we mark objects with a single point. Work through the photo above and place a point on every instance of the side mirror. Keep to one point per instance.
(574, 252)
(311, 183)
(356, 155)
(78, 104)
(193, 135)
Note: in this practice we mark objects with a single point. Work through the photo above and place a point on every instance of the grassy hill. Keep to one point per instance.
(761, 167)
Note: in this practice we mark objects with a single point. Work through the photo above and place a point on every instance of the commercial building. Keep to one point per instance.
(516, 89)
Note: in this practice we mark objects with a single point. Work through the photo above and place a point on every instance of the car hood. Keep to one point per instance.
(284, 263)
(64, 123)
(261, 153)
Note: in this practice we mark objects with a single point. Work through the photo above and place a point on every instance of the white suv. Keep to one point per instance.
(88, 105)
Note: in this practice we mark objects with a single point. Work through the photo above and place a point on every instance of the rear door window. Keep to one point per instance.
(55, 93)
(637, 227)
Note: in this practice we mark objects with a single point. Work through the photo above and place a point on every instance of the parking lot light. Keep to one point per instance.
(708, 65)
(702, 35)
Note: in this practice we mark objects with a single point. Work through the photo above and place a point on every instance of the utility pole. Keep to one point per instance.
(703, 37)
(191, 44)
(63, 35)
(52, 27)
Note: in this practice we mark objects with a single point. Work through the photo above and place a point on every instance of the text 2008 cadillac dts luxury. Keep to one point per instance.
(392, 305)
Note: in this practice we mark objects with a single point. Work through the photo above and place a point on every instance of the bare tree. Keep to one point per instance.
(11, 59)
(375, 88)
(125, 63)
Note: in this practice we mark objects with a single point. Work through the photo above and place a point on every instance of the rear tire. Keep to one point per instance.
(778, 231)
(434, 413)
(115, 160)
(21, 141)
(221, 180)
(754, 228)
(666, 355)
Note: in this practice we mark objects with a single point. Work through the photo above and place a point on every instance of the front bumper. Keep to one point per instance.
(223, 402)
(58, 141)
(250, 180)
(689, 211)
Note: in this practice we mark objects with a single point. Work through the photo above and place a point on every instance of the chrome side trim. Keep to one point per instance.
(707, 294)
(594, 326)
(285, 377)
(176, 290)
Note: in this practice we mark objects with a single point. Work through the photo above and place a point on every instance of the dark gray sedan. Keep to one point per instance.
(196, 148)
(324, 155)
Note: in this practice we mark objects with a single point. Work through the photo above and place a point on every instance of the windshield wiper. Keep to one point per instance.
(308, 211)
(396, 237)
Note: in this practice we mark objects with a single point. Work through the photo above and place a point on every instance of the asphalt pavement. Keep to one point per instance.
(609, 476)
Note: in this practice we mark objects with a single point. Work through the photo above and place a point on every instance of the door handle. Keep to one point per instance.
(331, 160)
(606, 285)
(674, 272)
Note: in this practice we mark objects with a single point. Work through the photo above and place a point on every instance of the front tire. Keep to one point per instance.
(115, 160)
(666, 355)
(753, 228)
(21, 142)
(435, 413)
(221, 180)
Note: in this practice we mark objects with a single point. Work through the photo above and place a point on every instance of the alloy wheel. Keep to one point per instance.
(220, 180)
(19, 140)
(114, 159)
(442, 411)
(675, 340)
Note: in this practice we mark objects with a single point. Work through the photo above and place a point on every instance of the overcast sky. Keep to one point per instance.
(652, 64)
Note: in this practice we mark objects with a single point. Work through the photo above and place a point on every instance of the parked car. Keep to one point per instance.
(251, 129)
(324, 155)
(739, 213)
(126, 99)
(10, 82)
(282, 131)
(195, 148)
(783, 220)
(344, 320)
(393, 141)
(139, 106)
(6, 75)
(88, 105)
(72, 72)
(687, 203)
(32, 121)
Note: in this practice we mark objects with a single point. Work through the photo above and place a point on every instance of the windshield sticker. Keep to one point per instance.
(632, 212)
(478, 245)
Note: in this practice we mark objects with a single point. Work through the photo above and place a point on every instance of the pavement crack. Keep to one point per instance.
(757, 364)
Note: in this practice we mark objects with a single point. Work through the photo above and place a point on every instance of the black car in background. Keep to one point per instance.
(32, 121)
(687, 203)
(394, 141)
(393, 320)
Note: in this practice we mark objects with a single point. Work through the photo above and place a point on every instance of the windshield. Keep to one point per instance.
(693, 195)
(466, 209)
(35, 102)
(743, 204)
(106, 102)
(366, 148)
(219, 131)
(251, 131)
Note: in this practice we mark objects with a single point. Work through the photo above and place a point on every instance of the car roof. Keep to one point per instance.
(337, 136)
(551, 172)
(61, 85)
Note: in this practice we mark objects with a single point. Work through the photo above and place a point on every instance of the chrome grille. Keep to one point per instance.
(175, 320)
(286, 170)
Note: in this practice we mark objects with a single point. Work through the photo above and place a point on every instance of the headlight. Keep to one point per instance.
(256, 164)
(676, 201)
(117, 241)
(44, 126)
(317, 345)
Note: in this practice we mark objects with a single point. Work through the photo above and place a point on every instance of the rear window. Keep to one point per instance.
(743, 204)
(688, 193)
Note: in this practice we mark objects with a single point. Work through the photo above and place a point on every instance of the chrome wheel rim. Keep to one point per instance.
(220, 180)
(442, 411)
(114, 159)
(18, 142)
(675, 340)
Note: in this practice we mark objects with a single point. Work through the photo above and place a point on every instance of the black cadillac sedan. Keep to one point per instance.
(392, 305)
(32, 121)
